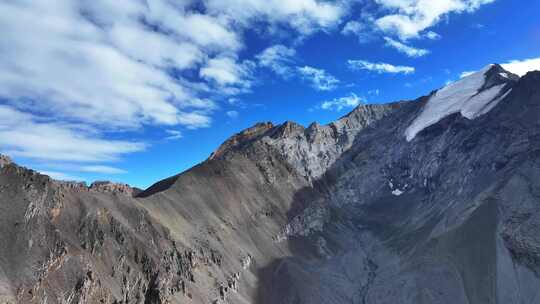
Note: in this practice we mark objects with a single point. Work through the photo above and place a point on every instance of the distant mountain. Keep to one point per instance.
(429, 201)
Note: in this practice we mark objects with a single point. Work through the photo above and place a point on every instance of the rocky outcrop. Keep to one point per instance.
(110, 187)
(99, 186)
(71, 246)
(314, 150)
(241, 139)
(4, 160)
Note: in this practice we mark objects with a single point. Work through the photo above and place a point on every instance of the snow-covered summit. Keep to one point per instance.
(472, 96)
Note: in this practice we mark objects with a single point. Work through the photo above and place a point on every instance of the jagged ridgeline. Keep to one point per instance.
(435, 200)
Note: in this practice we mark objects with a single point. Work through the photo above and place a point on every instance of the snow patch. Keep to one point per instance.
(473, 107)
(397, 192)
(492, 104)
(462, 96)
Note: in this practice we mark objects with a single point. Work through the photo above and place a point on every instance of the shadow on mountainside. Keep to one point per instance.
(288, 280)
(485, 149)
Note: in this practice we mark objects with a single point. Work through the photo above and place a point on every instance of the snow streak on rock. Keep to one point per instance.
(466, 96)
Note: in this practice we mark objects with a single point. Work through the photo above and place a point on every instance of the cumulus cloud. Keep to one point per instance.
(409, 18)
(318, 78)
(61, 176)
(58, 170)
(341, 103)
(227, 71)
(405, 49)
(362, 31)
(432, 35)
(173, 134)
(305, 16)
(101, 169)
(521, 67)
(279, 59)
(232, 114)
(195, 120)
(25, 135)
(352, 28)
(94, 62)
(379, 67)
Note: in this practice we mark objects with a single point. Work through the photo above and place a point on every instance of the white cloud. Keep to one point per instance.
(206, 31)
(278, 58)
(432, 35)
(521, 67)
(58, 170)
(405, 49)
(319, 79)
(226, 71)
(375, 92)
(153, 48)
(61, 176)
(114, 74)
(25, 135)
(352, 28)
(358, 29)
(305, 16)
(379, 67)
(194, 120)
(409, 18)
(101, 169)
(173, 134)
(341, 103)
(232, 114)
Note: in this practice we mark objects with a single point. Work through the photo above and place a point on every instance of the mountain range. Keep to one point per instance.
(435, 200)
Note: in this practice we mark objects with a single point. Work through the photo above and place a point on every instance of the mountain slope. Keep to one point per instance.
(432, 201)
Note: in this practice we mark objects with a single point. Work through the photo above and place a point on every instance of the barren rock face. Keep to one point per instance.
(4, 160)
(350, 212)
(109, 187)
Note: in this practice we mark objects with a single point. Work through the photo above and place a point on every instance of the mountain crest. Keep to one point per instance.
(242, 138)
(472, 96)
(4, 160)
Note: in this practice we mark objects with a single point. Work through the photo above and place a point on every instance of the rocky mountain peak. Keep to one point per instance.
(288, 129)
(496, 73)
(242, 138)
(98, 186)
(314, 149)
(471, 96)
(111, 187)
(4, 160)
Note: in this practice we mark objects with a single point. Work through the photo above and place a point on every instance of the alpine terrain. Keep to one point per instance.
(435, 200)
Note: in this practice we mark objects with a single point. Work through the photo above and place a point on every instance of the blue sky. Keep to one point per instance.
(136, 91)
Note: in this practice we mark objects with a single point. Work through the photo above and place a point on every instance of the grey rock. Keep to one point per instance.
(4, 161)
